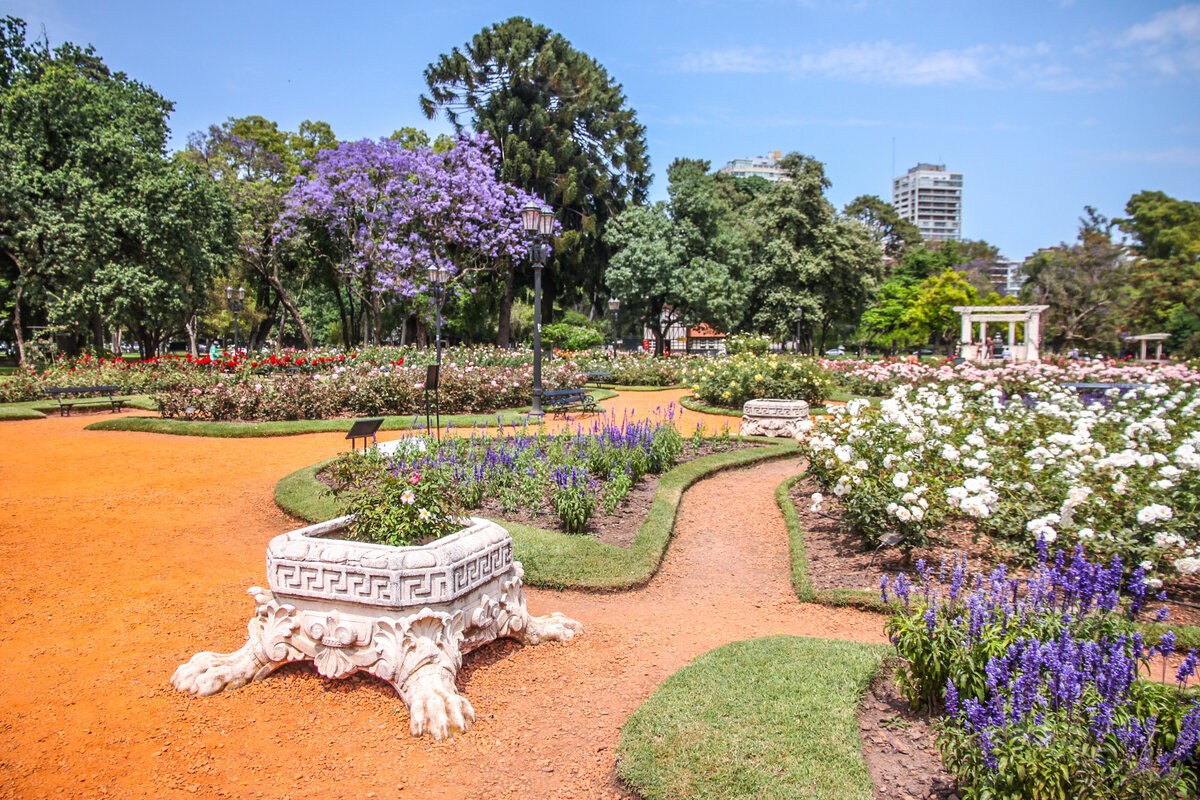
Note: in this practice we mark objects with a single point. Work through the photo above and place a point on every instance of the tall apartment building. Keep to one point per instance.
(931, 198)
(762, 166)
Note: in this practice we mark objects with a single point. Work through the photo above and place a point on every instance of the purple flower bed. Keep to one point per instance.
(1038, 681)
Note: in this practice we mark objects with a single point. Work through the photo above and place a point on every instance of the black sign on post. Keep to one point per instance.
(431, 385)
(363, 429)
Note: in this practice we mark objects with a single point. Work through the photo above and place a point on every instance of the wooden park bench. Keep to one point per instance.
(598, 379)
(560, 401)
(70, 396)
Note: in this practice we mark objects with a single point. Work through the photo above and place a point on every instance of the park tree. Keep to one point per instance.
(805, 256)
(1085, 285)
(1165, 294)
(86, 211)
(683, 261)
(931, 315)
(257, 163)
(895, 234)
(565, 134)
(386, 214)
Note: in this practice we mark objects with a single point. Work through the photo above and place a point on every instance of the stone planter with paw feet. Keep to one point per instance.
(403, 614)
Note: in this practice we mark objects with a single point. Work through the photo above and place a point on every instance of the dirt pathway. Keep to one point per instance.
(128, 552)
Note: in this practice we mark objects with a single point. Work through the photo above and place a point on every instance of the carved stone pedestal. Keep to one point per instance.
(773, 417)
(403, 614)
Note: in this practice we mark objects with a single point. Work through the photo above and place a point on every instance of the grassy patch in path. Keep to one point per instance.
(769, 719)
(560, 560)
(691, 403)
(621, 388)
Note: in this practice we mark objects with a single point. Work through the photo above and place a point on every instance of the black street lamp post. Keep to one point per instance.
(438, 277)
(538, 221)
(235, 306)
(613, 305)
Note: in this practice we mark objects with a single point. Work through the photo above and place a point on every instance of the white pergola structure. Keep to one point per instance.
(973, 349)
(1151, 337)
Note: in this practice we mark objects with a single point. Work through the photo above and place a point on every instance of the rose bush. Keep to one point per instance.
(733, 380)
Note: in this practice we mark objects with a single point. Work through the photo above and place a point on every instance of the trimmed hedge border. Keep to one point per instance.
(690, 402)
(249, 430)
(1188, 636)
(565, 561)
(769, 718)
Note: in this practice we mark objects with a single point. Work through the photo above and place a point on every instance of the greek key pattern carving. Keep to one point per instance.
(333, 582)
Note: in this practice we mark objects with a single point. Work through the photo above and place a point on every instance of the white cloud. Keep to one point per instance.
(1167, 26)
(1170, 156)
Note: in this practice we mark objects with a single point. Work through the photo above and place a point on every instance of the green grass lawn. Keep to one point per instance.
(769, 719)
(561, 560)
(39, 409)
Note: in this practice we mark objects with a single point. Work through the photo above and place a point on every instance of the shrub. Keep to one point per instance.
(637, 369)
(731, 381)
(753, 343)
(564, 336)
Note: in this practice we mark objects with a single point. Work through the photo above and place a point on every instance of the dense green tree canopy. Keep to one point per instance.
(94, 218)
(564, 131)
(806, 256)
(682, 261)
(895, 234)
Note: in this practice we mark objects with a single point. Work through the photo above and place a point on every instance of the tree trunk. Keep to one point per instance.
(292, 309)
(17, 324)
(189, 325)
(504, 324)
(97, 333)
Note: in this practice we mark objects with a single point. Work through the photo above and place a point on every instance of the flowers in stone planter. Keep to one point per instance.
(395, 507)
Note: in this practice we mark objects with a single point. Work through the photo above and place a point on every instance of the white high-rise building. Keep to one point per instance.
(762, 167)
(931, 198)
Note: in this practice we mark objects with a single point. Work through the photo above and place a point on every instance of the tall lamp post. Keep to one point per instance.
(438, 277)
(538, 221)
(799, 322)
(613, 305)
(235, 306)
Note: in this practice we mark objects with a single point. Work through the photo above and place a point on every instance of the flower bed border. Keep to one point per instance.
(565, 561)
(1187, 635)
(690, 402)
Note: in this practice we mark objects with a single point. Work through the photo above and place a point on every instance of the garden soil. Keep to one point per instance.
(125, 553)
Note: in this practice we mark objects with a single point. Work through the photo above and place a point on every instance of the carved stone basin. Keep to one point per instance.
(403, 614)
(772, 417)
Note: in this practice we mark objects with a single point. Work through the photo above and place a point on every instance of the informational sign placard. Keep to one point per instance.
(431, 378)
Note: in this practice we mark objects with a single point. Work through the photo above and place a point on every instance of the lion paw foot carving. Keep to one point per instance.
(551, 628)
(434, 705)
(209, 673)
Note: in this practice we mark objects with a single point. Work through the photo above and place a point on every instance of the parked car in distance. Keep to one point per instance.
(837, 351)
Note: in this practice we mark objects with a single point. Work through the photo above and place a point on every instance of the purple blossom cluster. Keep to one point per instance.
(396, 212)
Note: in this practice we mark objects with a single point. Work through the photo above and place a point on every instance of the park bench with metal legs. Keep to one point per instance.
(71, 396)
(598, 379)
(561, 401)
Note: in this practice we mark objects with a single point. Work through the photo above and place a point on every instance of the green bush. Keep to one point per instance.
(730, 382)
(754, 343)
(564, 336)
(400, 507)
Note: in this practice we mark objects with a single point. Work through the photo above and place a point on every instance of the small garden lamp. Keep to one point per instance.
(538, 222)
(613, 306)
(235, 306)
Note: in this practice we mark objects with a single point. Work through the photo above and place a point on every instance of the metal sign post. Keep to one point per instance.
(363, 429)
(431, 382)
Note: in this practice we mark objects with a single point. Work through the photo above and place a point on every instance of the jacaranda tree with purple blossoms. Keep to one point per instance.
(390, 213)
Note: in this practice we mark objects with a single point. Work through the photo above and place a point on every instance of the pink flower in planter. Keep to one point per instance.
(408, 498)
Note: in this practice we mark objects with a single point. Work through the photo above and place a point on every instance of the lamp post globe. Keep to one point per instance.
(799, 322)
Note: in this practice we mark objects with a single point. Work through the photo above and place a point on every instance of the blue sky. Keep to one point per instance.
(1044, 106)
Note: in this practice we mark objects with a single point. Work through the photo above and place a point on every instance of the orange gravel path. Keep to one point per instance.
(129, 552)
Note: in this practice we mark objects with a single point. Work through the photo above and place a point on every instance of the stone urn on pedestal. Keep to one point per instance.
(403, 614)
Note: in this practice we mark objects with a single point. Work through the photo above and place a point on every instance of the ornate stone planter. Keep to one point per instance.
(403, 614)
(773, 417)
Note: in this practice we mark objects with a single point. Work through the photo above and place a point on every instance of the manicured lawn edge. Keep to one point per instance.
(690, 402)
(768, 718)
(39, 409)
(562, 561)
(249, 430)
(1188, 636)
